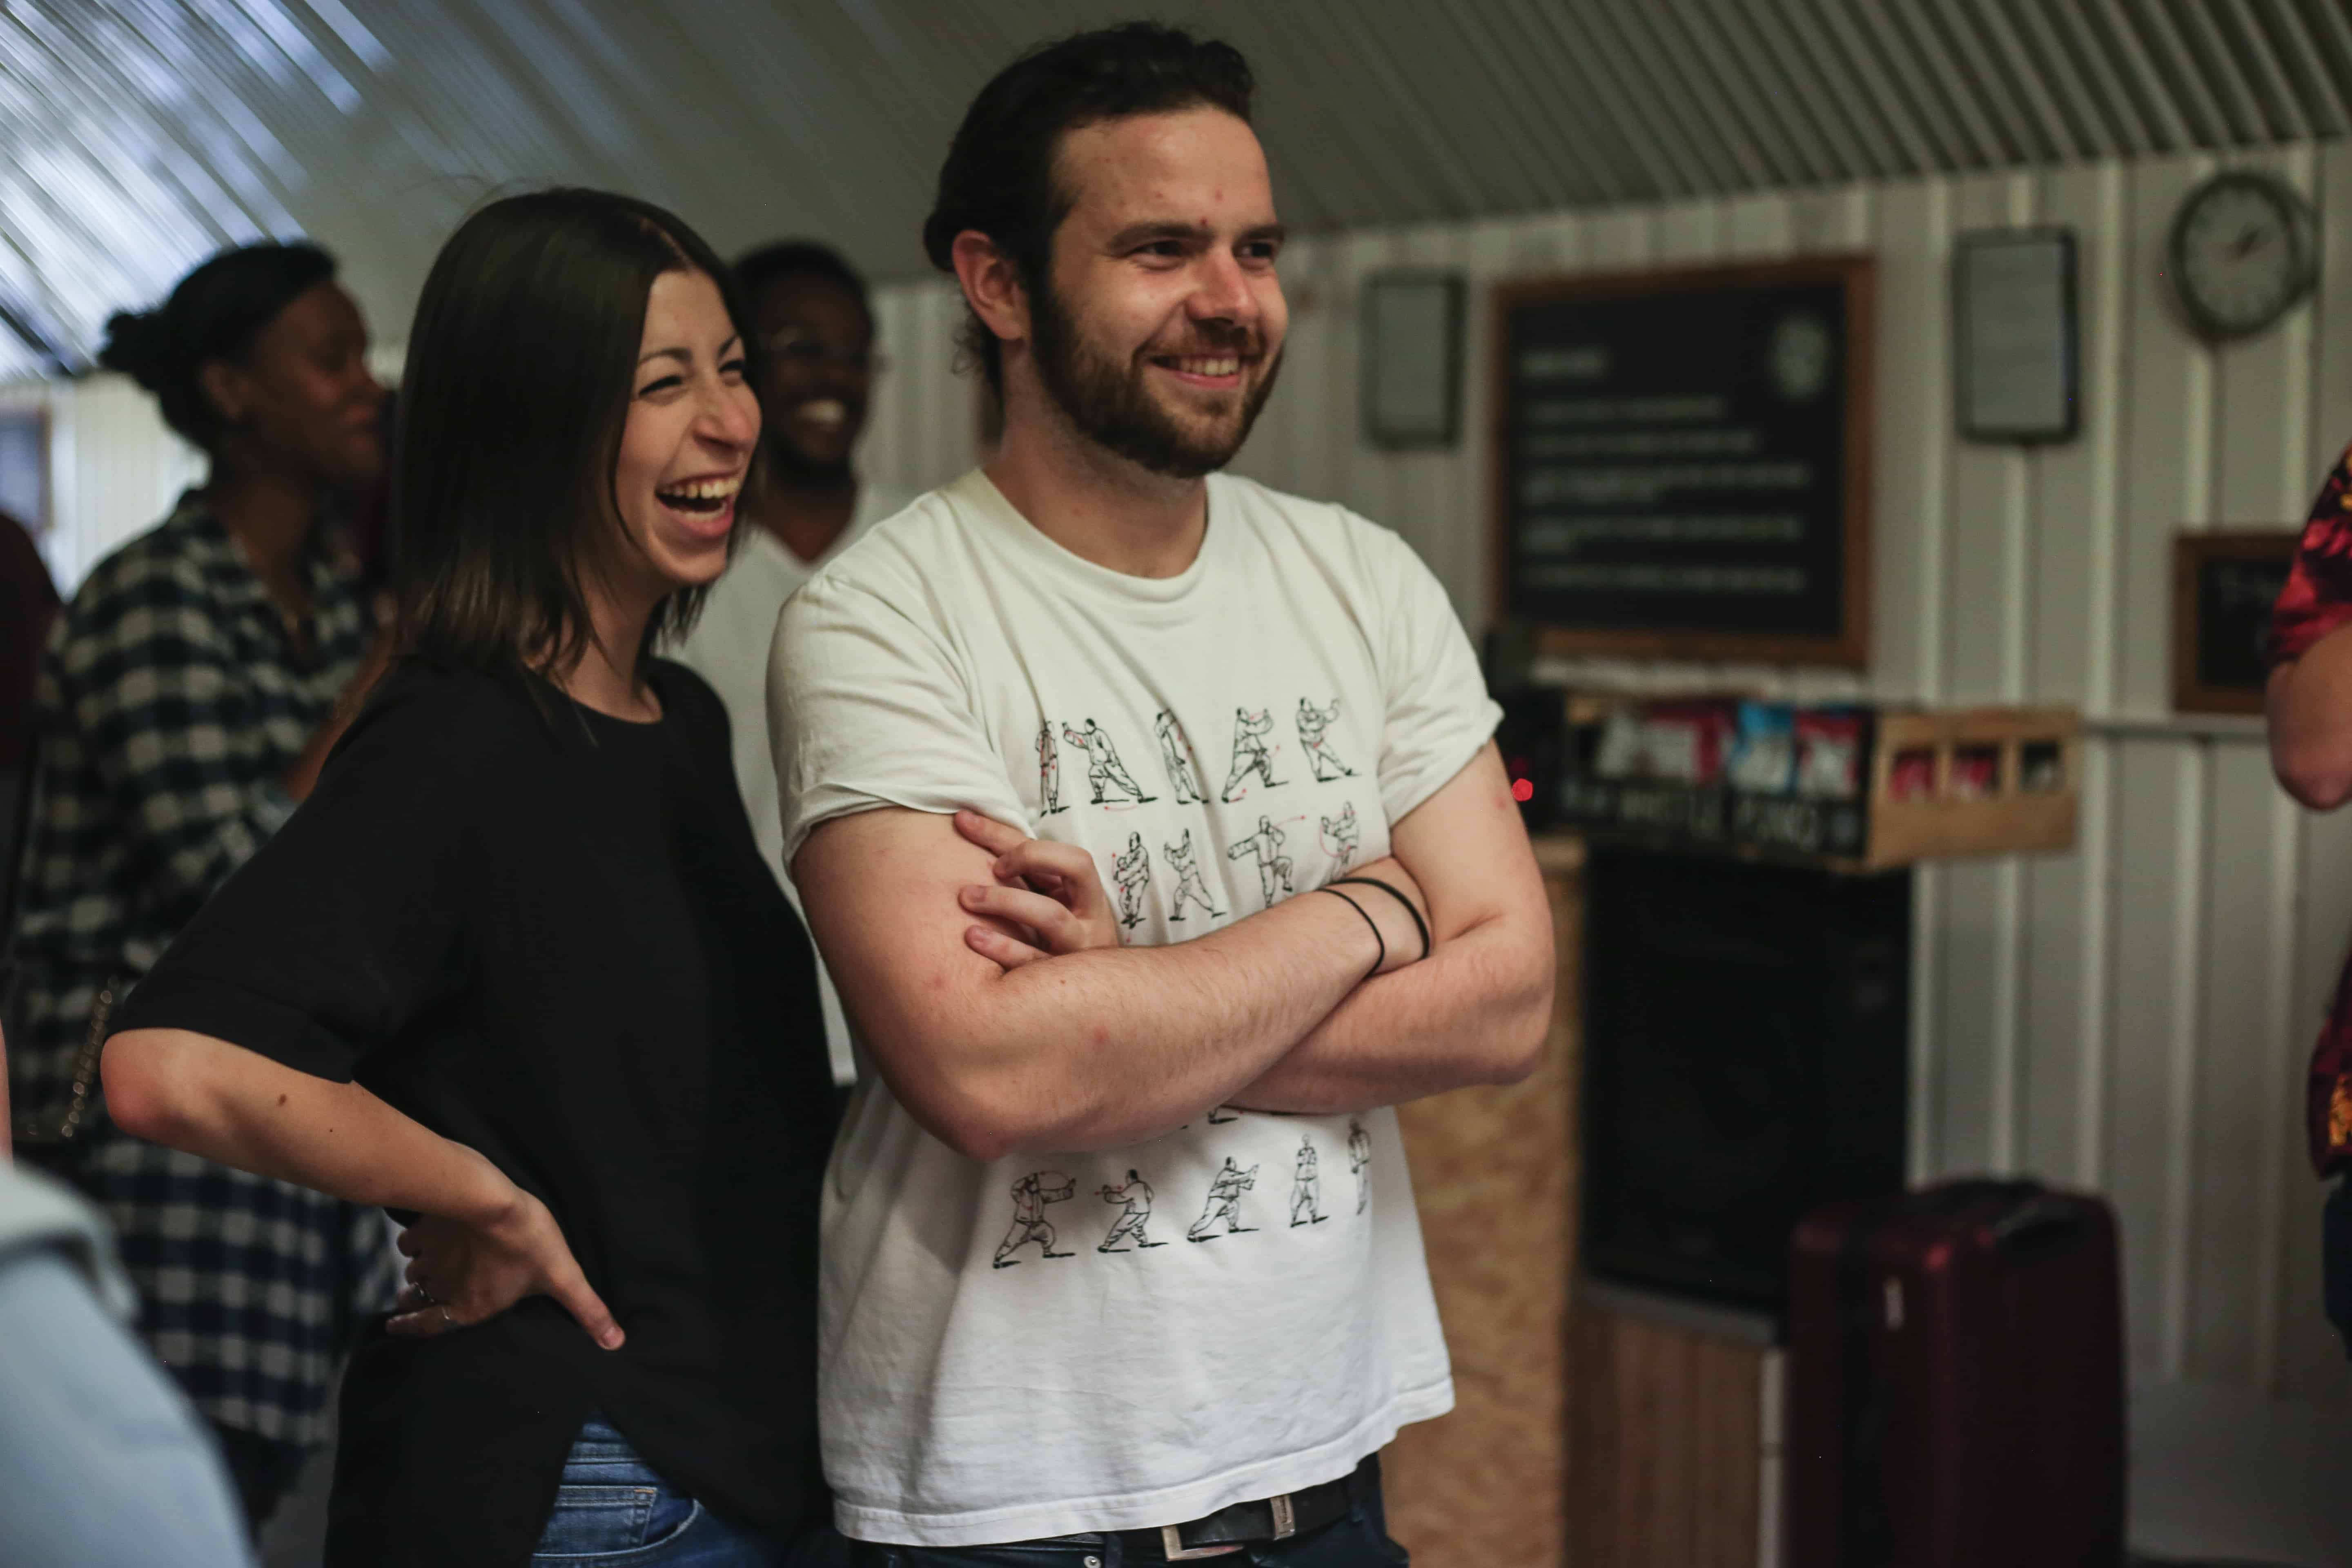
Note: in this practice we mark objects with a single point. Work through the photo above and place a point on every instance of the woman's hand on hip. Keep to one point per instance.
(1052, 891)
(462, 1271)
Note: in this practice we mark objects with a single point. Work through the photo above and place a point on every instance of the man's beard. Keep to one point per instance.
(1108, 403)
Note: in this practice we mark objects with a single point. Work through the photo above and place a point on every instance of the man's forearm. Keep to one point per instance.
(1108, 1048)
(1476, 1011)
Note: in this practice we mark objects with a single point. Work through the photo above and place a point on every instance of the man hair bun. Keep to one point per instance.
(137, 344)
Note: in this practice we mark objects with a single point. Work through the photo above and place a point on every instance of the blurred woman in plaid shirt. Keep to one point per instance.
(186, 700)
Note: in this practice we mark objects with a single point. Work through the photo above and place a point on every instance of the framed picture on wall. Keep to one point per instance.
(24, 466)
(2014, 336)
(1682, 461)
(1412, 361)
(2224, 585)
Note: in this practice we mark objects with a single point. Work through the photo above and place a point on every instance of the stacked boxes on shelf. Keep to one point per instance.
(1856, 786)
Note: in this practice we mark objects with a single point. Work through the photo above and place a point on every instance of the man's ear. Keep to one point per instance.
(223, 385)
(992, 286)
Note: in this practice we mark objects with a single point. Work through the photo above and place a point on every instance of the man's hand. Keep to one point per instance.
(1054, 892)
(1102, 1048)
(1476, 1012)
(464, 1271)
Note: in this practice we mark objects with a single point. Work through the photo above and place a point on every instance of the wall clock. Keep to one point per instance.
(2244, 250)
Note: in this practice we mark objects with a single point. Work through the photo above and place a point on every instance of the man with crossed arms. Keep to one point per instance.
(1107, 210)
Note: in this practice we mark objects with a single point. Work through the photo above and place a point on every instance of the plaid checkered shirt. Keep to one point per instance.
(173, 698)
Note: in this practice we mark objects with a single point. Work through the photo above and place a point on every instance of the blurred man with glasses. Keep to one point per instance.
(815, 367)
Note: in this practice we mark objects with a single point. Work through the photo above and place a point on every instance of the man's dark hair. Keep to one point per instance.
(214, 314)
(999, 174)
(520, 369)
(795, 260)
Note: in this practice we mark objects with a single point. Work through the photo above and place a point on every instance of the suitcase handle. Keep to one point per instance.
(2040, 1222)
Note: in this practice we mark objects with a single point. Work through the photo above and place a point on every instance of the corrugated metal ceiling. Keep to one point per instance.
(142, 135)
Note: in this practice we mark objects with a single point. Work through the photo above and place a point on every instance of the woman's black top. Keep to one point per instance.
(546, 934)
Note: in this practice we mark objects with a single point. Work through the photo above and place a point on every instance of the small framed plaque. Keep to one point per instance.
(1412, 359)
(2224, 585)
(2015, 342)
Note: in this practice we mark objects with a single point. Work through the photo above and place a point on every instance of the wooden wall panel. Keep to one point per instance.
(1663, 1462)
(1495, 1173)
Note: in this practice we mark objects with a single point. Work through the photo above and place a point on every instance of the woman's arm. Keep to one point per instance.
(207, 1097)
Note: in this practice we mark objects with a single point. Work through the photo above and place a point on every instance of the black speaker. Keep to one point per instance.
(1746, 1045)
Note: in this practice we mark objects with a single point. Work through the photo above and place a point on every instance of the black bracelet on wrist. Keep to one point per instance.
(1369, 924)
(1418, 923)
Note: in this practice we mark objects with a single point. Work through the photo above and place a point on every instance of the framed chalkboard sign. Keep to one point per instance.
(1682, 461)
(2224, 585)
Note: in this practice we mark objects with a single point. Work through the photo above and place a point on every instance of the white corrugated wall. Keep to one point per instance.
(2132, 1016)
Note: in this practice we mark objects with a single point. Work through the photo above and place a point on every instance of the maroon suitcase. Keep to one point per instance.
(1955, 1383)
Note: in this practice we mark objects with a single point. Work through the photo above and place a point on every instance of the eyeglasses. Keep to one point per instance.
(798, 348)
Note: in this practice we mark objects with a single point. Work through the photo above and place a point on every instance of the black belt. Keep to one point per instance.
(1265, 1519)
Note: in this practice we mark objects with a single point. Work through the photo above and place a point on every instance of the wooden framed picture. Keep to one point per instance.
(2224, 585)
(1682, 461)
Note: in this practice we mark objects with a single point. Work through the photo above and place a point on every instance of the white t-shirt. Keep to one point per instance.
(1039, 1345)
(728, 648)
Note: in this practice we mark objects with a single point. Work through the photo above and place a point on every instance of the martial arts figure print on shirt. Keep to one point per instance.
(1359, 1161)
(1273, 864)
(1049, 771)
(1132, 872)
(1190, 888)
(1136, 1197)
(1306, 1188)
(993, 630)
(1339, 836)
(1250, 755)
(1030, 1195)
(1176, 756)
(1103, 766)
(1313, 724)
(1225, 1204)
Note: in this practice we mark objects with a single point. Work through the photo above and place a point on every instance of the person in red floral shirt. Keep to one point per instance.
(2309, 706)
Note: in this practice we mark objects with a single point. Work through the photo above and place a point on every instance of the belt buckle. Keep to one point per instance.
(1171, 1537)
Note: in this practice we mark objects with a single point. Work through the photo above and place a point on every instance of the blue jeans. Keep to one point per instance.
(1358, 1539)
(612, 1512)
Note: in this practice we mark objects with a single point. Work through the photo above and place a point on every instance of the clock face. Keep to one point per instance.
(2241, 254)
